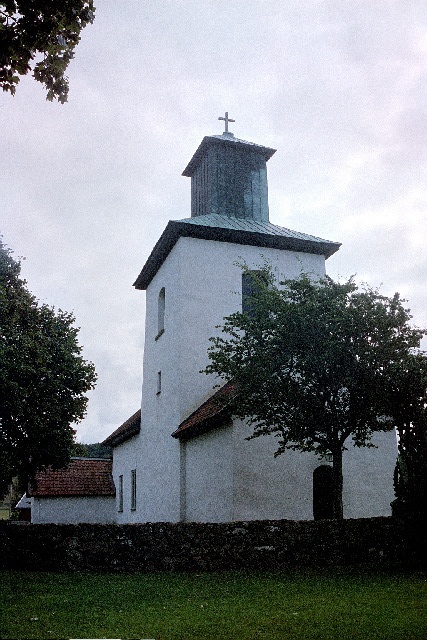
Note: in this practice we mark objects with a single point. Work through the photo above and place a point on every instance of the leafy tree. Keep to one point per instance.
(41, 35)
(314, 364)
(410, 411)
(43, 379)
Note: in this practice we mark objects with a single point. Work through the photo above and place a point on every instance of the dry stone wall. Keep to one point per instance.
(266, 545)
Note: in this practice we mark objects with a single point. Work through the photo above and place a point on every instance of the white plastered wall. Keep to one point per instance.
(265, 487)
(368, 477)
(73, 510)
(125, 459)
(282, 487)
(208, 487)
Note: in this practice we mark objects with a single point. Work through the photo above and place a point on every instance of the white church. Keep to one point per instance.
(183, 457)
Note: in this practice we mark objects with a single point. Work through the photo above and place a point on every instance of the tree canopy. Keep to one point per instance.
(409, 404)
(93, 450)
(43, 379)
(315, 364)
(41, 35)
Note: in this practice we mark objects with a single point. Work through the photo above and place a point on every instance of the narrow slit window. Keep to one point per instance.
(161, 313)
(120, 494)
(159, 382)
(133, 490)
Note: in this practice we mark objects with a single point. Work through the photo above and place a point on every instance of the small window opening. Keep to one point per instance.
(159, 382)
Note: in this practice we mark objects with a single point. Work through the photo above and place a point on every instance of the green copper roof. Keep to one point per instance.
(229, 178)
(254, 226)
(227, 139)
(231, 229)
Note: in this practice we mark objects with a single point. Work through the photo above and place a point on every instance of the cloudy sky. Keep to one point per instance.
(339, 88)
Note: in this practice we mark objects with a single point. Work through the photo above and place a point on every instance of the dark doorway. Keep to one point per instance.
(323, 492)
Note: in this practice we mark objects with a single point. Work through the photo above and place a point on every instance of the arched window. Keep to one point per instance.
(323, 488)
(161, 313)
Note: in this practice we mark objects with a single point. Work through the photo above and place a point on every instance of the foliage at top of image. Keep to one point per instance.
(43, 380)
(320, 365)
(41, 36)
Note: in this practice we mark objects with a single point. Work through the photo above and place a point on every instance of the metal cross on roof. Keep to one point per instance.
(226, 120)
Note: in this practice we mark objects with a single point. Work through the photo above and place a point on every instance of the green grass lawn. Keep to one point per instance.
(342, 605)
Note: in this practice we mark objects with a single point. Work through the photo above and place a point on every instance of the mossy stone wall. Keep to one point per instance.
(266, 545)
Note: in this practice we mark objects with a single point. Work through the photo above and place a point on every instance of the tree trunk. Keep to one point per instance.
(338, 484)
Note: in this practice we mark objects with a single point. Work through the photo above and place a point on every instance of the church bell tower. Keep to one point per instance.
(193, 280)
(229, 178)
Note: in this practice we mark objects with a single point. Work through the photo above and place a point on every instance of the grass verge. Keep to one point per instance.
(315, 605)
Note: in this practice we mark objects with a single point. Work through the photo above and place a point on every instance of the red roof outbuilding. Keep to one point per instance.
(83, 477)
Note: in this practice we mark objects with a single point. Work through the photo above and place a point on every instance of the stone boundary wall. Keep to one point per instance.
(263, 545)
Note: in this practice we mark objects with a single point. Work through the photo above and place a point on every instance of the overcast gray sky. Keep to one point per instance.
(339, 88)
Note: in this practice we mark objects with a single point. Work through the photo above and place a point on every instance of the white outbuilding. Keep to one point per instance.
(82, 492)
(183, 457)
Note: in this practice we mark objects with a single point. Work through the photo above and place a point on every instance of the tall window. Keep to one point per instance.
(161, 313)
(120, 493)
(159, 382)
(133, 490)
(250, 286)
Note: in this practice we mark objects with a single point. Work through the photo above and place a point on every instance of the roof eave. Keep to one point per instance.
(105, 494)
(219, 420)
(131, 427)
(114, 441)
(176, 229)
(267, 152)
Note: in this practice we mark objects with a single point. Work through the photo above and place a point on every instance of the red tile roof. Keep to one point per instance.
(130, 428)
(83, 477)
(212, 413)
